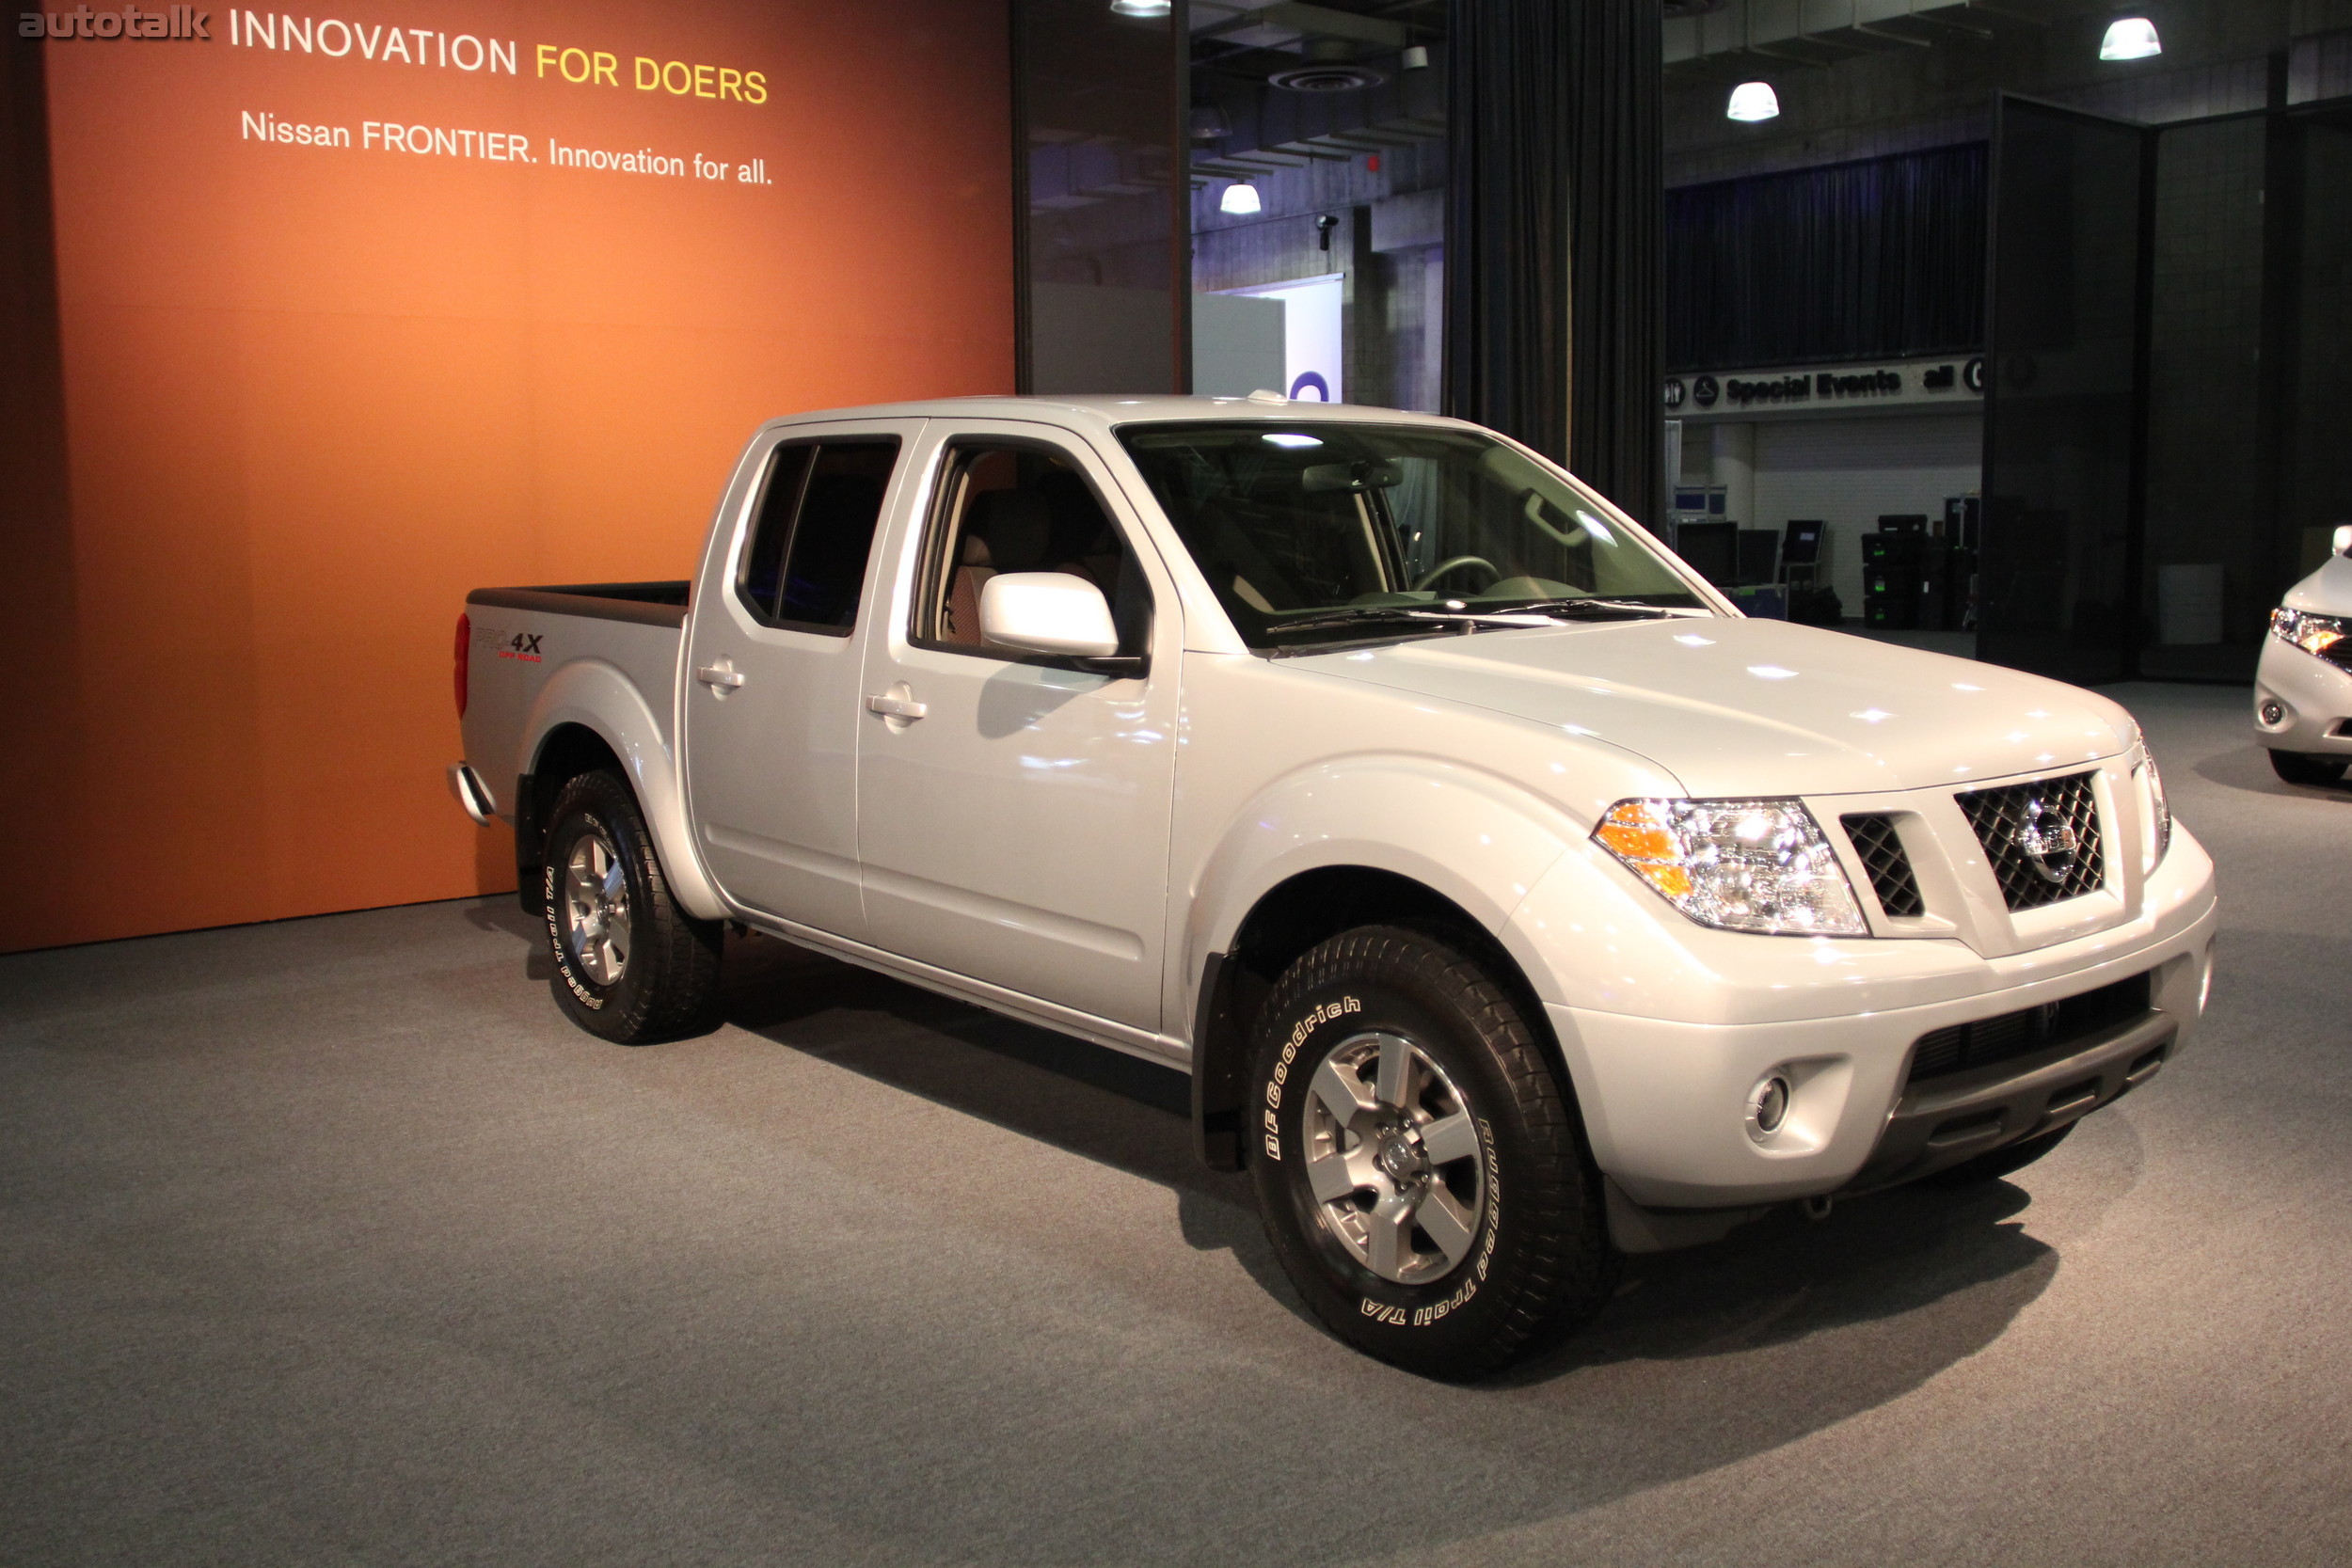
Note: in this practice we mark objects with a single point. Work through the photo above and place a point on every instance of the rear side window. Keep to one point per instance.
(805, 563)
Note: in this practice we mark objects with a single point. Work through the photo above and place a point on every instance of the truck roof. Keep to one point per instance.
(1101, 411)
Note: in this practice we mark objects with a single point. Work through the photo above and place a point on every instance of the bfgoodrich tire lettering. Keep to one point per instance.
(1422, 1172)
(630, 966)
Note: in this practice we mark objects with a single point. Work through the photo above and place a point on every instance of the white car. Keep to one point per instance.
(2303, 688)
(1512, 900)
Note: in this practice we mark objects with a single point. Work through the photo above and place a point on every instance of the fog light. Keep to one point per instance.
(2274, 711)
(1768, 1107)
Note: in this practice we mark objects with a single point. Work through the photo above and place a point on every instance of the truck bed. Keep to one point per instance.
(614, 647)
(649, 604)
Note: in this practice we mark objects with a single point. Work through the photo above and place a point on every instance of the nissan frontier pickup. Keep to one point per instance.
(1513, 901)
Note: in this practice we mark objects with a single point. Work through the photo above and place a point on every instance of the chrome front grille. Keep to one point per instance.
(2041, 838)
(1872, 835)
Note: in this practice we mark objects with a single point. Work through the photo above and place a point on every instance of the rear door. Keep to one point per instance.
(773, 673)
(1013, 809)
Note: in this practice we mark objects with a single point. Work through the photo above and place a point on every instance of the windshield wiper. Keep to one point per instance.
(1355, 615)
(1597, 607)
(1502, 617)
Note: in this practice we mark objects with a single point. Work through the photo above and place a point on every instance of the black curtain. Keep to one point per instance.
(1876, 260)
(1553, 317)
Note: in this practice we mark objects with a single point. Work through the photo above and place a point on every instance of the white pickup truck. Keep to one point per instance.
(1513, 901)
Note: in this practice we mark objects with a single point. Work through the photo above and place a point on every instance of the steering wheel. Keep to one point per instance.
(1494, 573)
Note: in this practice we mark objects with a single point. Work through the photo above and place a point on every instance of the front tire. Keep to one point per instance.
(1422, 1173)
(2307, 767)
(630, 966)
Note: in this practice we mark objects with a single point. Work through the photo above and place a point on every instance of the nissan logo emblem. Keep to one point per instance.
(2050, 846)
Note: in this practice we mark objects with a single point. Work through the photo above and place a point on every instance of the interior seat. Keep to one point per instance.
(1003, 530)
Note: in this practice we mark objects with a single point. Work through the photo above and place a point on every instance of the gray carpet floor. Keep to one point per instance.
(329, 1241)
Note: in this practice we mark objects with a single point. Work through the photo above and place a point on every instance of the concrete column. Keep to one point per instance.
(1733, 467)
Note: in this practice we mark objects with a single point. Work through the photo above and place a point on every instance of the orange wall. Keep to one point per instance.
(311, 396)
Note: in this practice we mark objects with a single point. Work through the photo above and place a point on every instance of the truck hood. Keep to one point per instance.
(1732, 706)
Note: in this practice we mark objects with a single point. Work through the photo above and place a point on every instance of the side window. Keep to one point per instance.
(1019, 508)
(805, 563)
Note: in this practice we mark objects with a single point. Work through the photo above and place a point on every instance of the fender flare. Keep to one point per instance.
(598, 697)
(1485, 843)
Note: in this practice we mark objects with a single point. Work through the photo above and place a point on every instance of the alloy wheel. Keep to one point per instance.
(596, 909)
(1393, 1158)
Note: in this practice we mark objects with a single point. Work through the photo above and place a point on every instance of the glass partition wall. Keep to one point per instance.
(1099, 98)
(1223, 197)
(1317, 209)
(2169, 315)
(2063, 388)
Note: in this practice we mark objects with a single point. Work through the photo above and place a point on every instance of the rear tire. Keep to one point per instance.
(1993, 1166)
(630, 966)
(1420, 1170)
(2307, 767)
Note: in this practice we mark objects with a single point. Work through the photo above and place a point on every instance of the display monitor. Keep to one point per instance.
(1712, 550)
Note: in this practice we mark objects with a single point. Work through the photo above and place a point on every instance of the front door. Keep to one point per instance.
(774, 678)
(1013, 809)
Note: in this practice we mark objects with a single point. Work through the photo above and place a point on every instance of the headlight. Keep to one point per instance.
(1742, 866)
(2327, 637)
(2159, 812)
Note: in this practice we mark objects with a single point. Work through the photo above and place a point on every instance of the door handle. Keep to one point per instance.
(895, 707)
(723, 677)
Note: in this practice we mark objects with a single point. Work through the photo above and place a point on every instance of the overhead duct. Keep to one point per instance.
(1732, 36)
(1331, 66)
(1293, 27)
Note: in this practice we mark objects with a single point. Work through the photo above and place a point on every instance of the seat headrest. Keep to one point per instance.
(1017, 526)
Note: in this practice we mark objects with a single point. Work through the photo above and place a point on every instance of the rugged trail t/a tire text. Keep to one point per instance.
(1421, 1171)
(630, 966)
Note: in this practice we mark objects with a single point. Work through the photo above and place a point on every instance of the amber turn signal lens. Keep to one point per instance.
(1634, 830)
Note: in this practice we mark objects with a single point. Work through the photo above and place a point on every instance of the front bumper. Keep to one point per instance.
(1665, 1100)
(2315, 695)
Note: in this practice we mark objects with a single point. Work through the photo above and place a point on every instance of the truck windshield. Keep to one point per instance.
(1317, 533)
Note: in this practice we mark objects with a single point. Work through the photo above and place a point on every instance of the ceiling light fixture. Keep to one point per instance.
(1240, 199)
(1752, 102)
(2130, 38)
(1139, 8)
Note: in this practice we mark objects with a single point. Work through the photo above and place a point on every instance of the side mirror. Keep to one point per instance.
(1048, 613)
(2344, 539)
